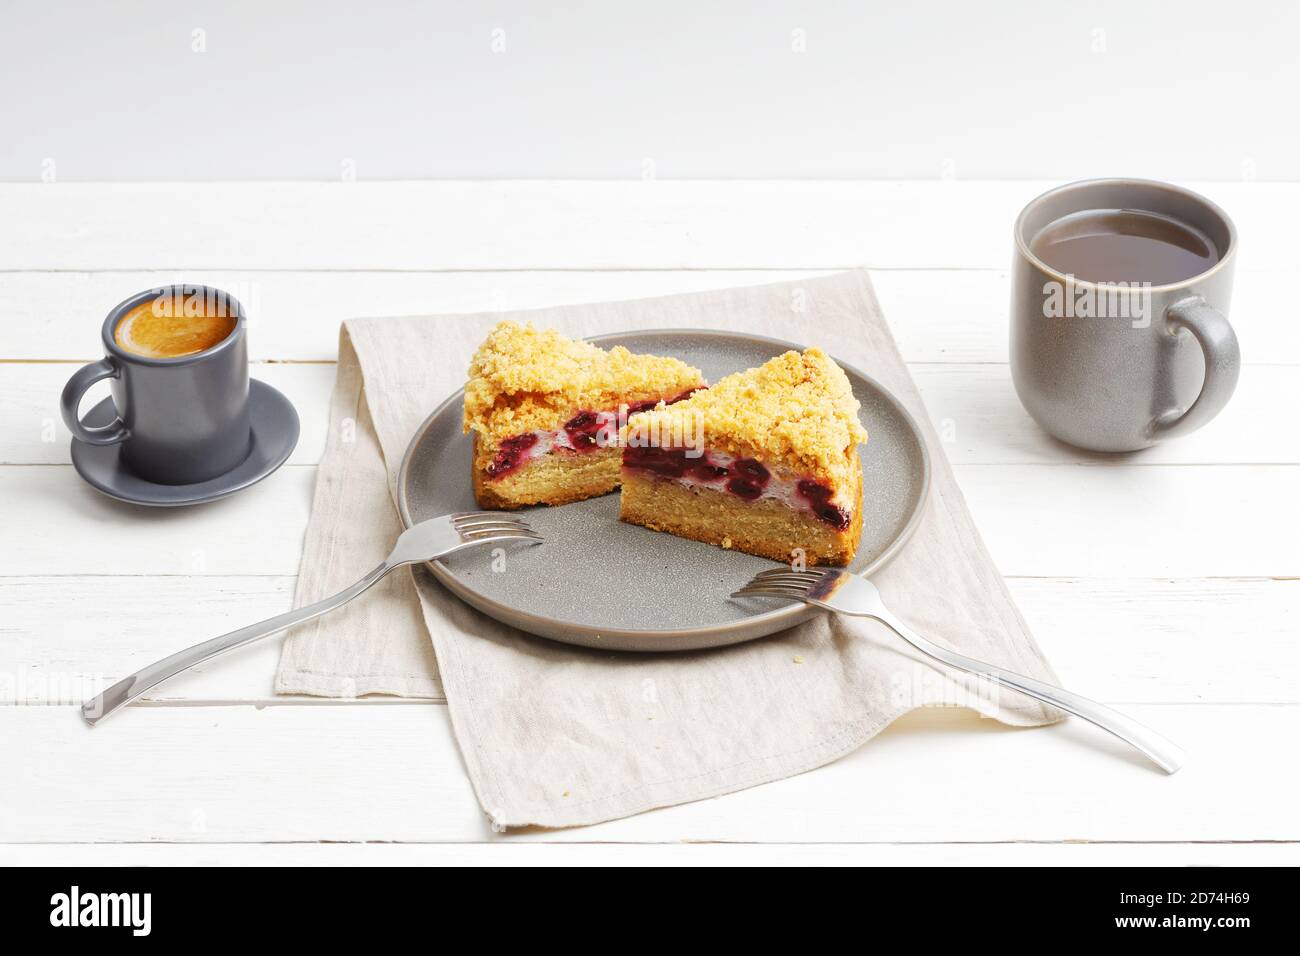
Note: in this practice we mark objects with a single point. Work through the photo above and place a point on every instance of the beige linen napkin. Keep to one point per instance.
(558, 736)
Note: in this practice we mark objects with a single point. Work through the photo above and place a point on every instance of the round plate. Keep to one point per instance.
(275, 433)
(601, 583)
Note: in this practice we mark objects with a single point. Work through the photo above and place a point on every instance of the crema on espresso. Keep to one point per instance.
(155, 332)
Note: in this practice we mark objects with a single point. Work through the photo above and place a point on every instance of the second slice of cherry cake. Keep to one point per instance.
(773, 469)
(545, 412)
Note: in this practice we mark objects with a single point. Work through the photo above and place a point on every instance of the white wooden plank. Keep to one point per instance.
(221, 774)
(565, 225)
(937, 315)
(474, 225)
(50, 653)
(980, 420)
(963, 316)
(973, 406)
(1135, 521)
(1040, 521)
(1221, 640)
(55, 523)
(505, 853)
(1115, 639)
(296, 315)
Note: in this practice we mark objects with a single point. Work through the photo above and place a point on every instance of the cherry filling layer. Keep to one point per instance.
(584, 432)
(511, 455)
(744, 477)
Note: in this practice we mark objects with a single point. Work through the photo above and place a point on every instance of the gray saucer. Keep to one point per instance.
(275, 433)
(601, 583)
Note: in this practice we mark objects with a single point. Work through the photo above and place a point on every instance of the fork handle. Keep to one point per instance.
(129, 688)
(1163, 752)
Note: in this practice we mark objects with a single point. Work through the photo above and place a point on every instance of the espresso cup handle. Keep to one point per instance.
(86, 376)
(1222, 365)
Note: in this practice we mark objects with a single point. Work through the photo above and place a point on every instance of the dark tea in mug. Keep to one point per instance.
(1124, 245)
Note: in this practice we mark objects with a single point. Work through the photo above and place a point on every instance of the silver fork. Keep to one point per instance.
(846, 593)
(435, 538)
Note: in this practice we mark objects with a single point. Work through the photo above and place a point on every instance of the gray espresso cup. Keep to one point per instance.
(1119, 366)
(181, 419)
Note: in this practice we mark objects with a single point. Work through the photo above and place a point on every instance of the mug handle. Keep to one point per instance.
(86, 376)
(1222, 365)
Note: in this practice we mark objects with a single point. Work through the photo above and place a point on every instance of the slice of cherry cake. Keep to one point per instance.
(776, 472)
(545, 412)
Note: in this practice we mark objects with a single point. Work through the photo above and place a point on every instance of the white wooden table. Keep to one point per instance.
(1167, 583)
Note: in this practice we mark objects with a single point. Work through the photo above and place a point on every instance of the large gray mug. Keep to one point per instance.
(1160, 361)
(181, 420)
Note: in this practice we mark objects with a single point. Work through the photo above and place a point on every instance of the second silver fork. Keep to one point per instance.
(426, 541)
(846, 593)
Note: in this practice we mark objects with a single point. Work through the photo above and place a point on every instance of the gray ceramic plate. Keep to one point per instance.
(275, 433)
(601, 583)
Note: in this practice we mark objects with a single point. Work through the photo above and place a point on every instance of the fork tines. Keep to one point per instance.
(783, 582)
(477, 525)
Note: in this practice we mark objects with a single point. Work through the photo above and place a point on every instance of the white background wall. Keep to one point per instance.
(200, 89)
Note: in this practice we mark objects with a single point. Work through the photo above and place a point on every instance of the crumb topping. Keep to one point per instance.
(523, 379)
(797, 411)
